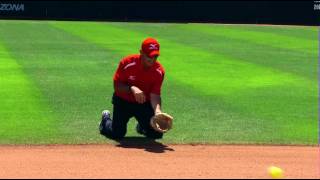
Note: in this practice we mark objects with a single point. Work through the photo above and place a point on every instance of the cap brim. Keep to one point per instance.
(154, 53)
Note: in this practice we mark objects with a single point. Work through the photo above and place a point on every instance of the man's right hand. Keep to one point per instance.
(138, 94)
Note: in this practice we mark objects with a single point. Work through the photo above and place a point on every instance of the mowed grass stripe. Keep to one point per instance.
(259, 37)
(304, 32)
(25, 117)
(186, 74)
(281, 58)
(74, 75)
(293, 54)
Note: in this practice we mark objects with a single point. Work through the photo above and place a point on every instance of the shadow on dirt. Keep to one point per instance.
(147, 144)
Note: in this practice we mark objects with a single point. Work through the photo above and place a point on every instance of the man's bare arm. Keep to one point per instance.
(155, 102)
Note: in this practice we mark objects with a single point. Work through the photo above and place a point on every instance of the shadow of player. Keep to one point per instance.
(147, 144)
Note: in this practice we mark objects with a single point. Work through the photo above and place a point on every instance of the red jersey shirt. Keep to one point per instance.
(130, 71)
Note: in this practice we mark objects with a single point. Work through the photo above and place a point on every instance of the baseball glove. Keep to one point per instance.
(161, 122)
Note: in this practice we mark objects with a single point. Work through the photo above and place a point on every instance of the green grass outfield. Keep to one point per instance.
(224, 84)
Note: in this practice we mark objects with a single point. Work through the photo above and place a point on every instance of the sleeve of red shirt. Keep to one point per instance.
(119, 75)
(156, 89)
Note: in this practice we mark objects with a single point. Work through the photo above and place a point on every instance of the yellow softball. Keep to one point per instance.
(275, 172)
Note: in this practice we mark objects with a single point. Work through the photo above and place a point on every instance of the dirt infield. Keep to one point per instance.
(156, 160)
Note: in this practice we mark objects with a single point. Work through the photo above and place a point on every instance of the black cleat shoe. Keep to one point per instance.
(105, 117)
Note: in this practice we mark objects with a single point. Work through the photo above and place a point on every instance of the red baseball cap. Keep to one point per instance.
(150, 47)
